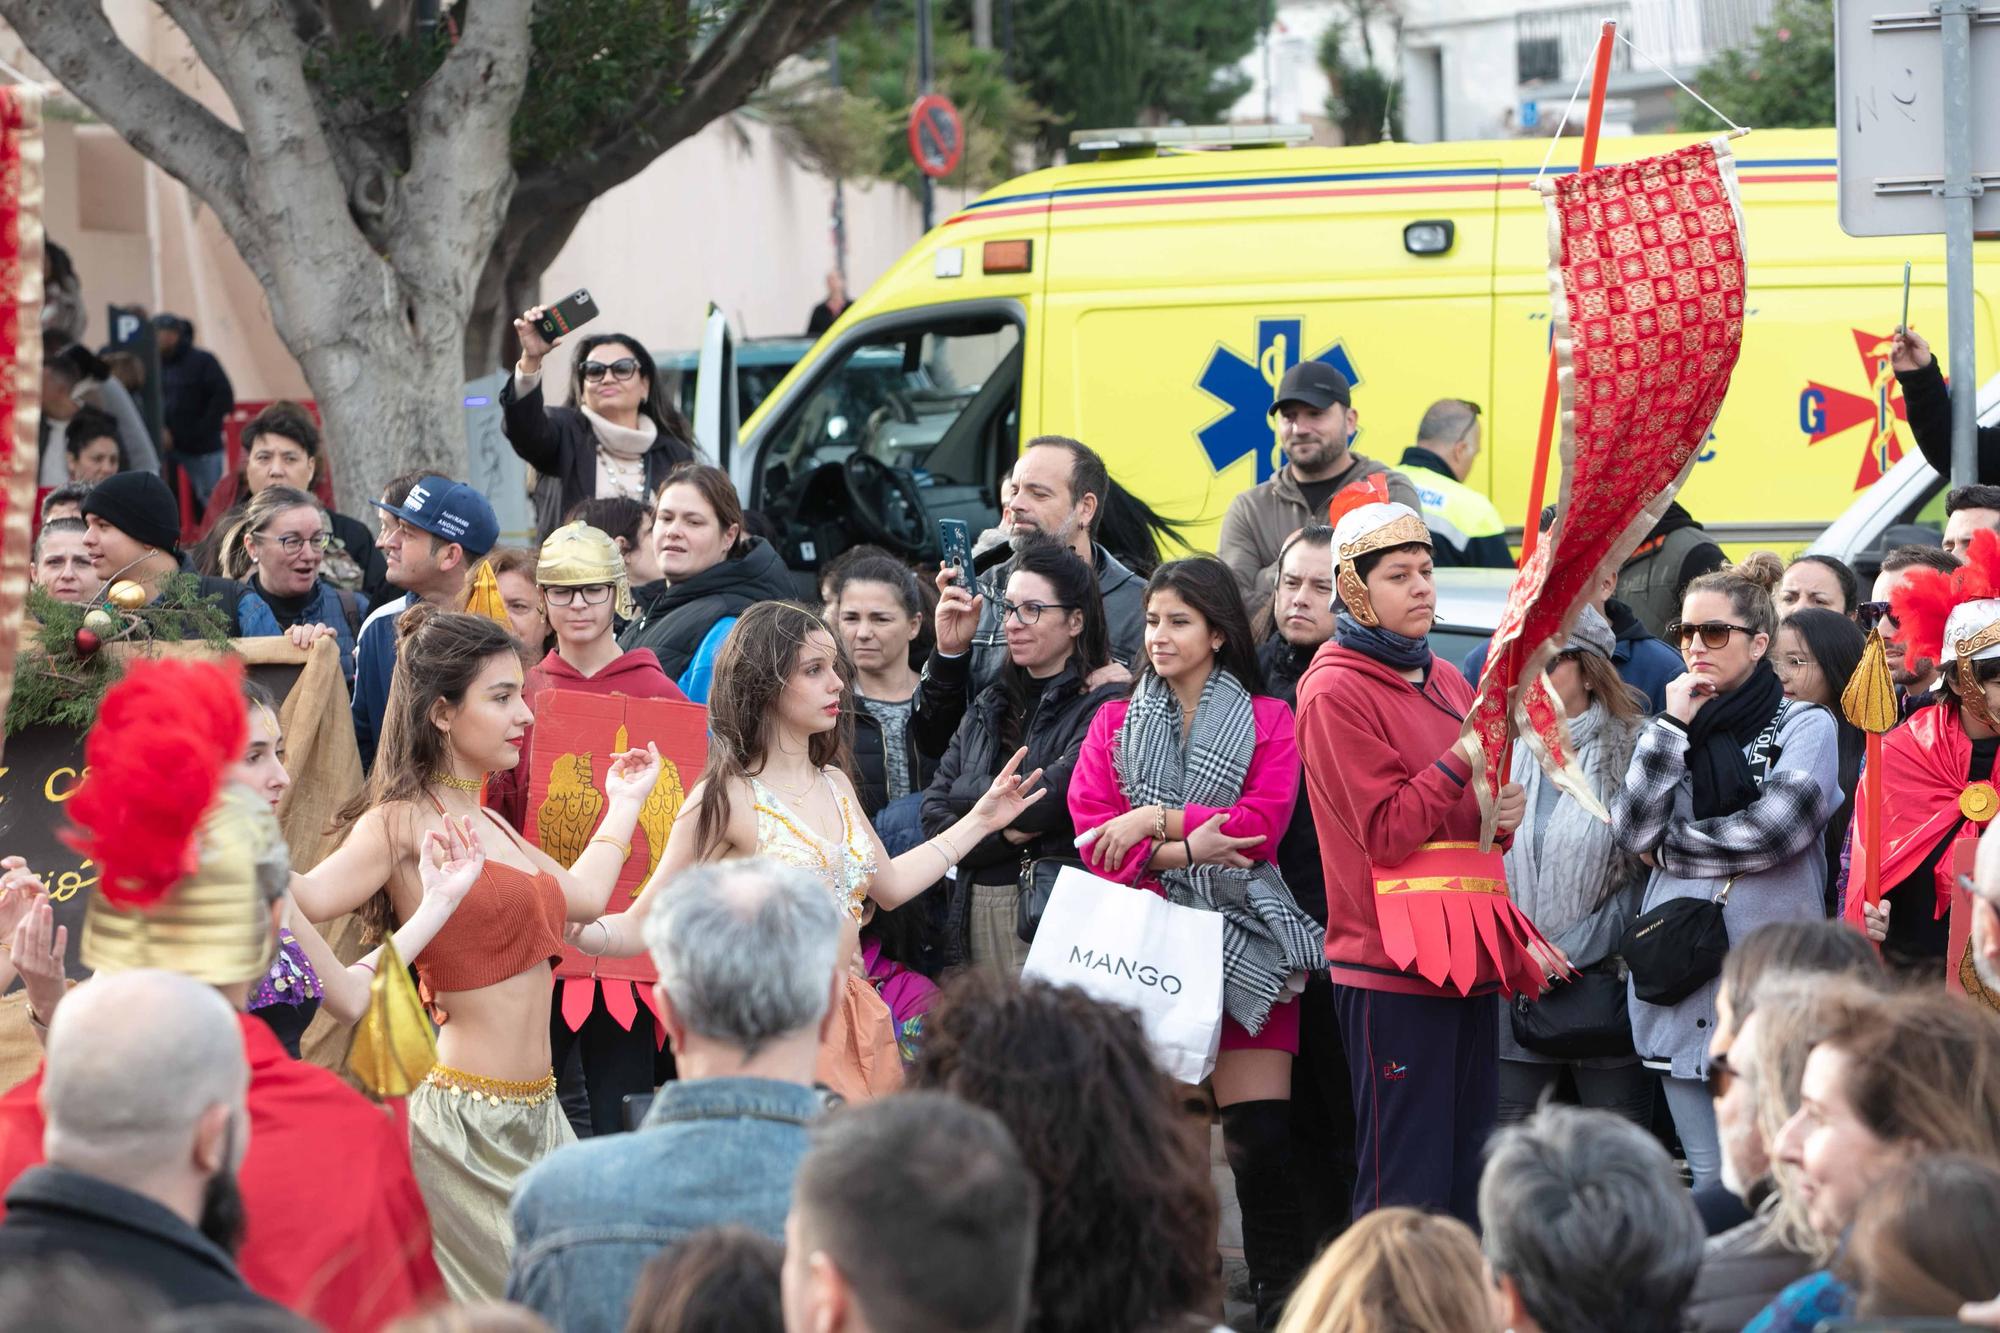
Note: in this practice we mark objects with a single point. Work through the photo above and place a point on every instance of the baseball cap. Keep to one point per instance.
(450, 510)
(1314, 383)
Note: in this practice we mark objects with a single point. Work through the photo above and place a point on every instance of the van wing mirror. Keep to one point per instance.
(717, 412)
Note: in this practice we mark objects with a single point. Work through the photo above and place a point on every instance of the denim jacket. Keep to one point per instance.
(710, 1152)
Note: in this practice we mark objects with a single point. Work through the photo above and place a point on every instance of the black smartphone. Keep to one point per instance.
(955, 540)
(570, 313)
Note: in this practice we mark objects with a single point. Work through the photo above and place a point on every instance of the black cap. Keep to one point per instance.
(1314, 383)
(139, 505)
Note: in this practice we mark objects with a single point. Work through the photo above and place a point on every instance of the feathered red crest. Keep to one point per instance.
(1923, 602)
(164, 737)
(1368, 491)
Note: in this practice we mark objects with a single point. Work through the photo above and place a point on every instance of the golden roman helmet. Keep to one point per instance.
(577, 555)
(214, 924)
(1972, 634)
(1374, 526)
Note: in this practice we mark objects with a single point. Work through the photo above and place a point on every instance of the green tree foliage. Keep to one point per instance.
(1109, 63)
(1784, 81)
(1364, 100)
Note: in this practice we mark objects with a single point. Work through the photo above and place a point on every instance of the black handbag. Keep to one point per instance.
(1583, 1019)
(1677, 948)
(1037, 884)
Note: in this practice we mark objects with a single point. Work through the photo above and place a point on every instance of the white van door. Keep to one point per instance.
(716, 410)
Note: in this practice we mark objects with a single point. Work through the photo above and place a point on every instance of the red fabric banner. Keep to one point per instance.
(1647, 277)
(20, 353)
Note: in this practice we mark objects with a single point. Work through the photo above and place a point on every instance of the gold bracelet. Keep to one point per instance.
(624, 848)
(1159, 823)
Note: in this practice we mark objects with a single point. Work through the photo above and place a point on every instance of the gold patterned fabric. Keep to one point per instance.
(21, 314)
(471, 1139)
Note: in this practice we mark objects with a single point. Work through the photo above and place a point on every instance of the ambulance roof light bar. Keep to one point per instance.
(1147, 140)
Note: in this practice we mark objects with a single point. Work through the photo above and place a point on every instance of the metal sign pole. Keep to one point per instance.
(924, 86)
(1961, 188)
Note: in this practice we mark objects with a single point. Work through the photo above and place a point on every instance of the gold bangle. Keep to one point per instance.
(624, 848)
(1159, 823)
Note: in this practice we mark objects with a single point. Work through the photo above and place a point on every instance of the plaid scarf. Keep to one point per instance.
(1265, 937)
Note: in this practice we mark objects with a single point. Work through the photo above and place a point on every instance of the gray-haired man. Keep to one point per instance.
(748, 954)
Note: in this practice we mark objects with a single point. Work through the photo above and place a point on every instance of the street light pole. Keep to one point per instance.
(1960, 191)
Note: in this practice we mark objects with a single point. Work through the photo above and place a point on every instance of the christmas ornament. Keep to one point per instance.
(127, 595)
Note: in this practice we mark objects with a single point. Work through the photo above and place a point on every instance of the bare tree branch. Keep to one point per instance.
(77, 44)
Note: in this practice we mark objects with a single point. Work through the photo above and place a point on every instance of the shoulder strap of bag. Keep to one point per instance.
(349, 608)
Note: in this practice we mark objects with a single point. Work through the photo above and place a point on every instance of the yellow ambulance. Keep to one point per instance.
(1147, 301)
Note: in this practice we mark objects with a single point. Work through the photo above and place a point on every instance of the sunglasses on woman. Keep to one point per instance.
(624, 368)
(1714, 633)
(1870, 614)
(1720, 1075)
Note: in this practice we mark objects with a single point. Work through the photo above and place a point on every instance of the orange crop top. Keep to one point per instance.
(510, 921)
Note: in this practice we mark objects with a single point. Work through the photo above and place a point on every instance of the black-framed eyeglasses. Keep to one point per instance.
(1029, 613)
(1714, 633)
(1466, 429)
(624, 368)
(1870, 614)
(1720, 1075)
(592, 594)
(291, 543)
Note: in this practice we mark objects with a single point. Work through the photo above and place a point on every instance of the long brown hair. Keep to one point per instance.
(1602, 681)
(439, 654)
(1924, 1069)
(1396, 1269)
(752, 669)
(1923, 1241)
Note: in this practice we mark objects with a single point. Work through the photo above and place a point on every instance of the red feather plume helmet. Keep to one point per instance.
(165, 736)
(1923, 601)
(1370, 490)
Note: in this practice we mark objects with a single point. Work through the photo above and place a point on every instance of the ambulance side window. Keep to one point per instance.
(896, 397)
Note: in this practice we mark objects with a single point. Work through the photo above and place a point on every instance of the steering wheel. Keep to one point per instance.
(885, 503)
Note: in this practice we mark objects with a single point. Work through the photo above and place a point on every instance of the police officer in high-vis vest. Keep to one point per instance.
(1466, 527)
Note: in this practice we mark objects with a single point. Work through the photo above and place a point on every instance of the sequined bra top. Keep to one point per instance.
(844, 867)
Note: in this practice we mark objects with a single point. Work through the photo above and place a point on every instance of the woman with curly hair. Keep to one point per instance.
(1125, 1242)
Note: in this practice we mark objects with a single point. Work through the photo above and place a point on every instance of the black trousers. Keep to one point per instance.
(1322, 1117)
(614, 1062)
(1426, 1073)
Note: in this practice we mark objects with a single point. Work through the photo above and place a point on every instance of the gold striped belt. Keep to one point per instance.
(531, 1092)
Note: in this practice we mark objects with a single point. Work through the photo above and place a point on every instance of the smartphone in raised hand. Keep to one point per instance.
(955, 540)
(567, 315)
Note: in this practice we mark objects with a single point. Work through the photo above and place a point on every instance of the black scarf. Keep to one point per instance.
(1717, 737)
(1398, 651)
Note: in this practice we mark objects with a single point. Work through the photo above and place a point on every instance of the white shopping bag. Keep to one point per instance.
(1130, 947)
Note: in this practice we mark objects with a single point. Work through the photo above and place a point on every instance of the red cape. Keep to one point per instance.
(337, 1230)
(1924, 763)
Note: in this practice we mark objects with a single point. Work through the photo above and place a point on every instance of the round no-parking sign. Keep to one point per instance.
(937, 135)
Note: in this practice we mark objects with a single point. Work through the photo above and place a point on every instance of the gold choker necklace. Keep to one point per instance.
(456, 783)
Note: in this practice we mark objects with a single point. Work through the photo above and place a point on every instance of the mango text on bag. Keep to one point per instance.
(1144, 974)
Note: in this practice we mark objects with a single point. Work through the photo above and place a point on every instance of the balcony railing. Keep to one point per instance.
(1555, 45)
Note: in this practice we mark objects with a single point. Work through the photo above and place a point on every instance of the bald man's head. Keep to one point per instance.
(145, 1074)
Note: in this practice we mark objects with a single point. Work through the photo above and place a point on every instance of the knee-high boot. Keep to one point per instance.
(1257, 1138)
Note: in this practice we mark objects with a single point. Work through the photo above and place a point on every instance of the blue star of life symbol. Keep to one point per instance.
(1247, 385)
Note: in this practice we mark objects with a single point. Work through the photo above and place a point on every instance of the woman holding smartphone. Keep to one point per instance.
(619, 435)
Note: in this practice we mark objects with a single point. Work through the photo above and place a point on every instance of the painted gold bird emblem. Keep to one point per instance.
(570, 811)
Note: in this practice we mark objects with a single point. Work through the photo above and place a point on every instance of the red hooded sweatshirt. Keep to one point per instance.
(637, 674)
(1383, 780)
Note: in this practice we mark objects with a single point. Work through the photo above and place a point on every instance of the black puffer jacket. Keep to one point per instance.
(674, 618)
(871, 761)
(1298, 851)
(559, 442)
(1053, 732)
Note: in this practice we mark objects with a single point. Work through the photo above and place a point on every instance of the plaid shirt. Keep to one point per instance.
(1786, 818)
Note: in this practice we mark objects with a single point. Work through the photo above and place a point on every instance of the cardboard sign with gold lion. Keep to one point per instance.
(575, 736)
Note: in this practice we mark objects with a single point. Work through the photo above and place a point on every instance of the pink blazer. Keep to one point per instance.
(1264, 809)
